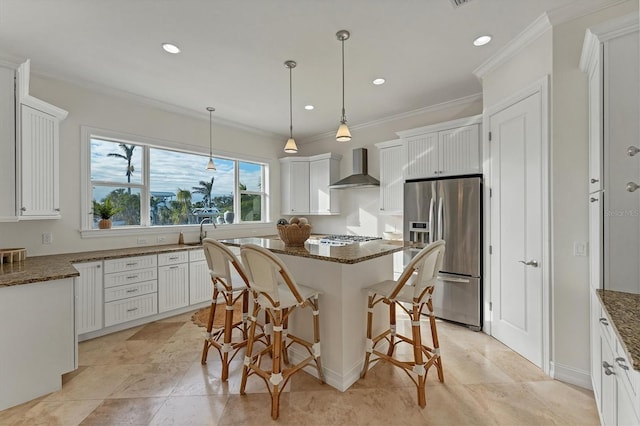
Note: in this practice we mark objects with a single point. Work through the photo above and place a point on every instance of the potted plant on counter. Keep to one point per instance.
(104, 211)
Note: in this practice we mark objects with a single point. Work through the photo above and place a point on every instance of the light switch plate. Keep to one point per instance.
(580, 248)
(47, 238)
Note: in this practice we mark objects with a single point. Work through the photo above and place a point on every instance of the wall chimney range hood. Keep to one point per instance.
(359, 178)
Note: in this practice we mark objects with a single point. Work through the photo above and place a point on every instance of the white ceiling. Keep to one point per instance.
(233, 52)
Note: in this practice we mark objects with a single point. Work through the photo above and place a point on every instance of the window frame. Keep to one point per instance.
(146, 143)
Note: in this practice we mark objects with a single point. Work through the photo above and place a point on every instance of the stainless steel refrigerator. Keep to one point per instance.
(450, 209)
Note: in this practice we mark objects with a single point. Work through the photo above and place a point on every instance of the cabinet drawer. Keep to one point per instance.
(131, 290)
(130, 277)
(196, 255)
(130, 309)
(130, 263)
(173, 258)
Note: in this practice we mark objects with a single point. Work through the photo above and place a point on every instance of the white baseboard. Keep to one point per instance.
(571, 375)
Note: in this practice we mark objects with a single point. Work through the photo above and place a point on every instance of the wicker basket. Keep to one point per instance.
(294, 235)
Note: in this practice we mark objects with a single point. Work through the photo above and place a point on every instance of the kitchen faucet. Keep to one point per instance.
(203, 234)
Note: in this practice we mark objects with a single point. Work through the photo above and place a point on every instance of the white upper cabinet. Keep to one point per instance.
(37, 151)
(443, 149)
(305, 184)
(392, 165)
(7, 145)
(610, 59)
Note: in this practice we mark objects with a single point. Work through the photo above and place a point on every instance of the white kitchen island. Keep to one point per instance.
(341, 273)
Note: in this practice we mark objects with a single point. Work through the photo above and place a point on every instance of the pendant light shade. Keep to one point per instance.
(210, 165)
(290, 147)
(343, 134)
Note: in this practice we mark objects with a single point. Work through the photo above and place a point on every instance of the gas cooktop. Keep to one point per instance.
(343, 240)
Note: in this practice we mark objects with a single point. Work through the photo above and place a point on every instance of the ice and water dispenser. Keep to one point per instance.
(419, 232)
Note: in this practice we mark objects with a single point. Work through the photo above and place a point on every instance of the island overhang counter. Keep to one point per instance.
(341, 273)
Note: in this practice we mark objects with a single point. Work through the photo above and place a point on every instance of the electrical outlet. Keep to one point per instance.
(47, 238)
(162, 239)
(143, 241)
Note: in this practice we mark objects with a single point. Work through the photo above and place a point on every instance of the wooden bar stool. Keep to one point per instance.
(415, 287)
(276, 292)
(230, 283)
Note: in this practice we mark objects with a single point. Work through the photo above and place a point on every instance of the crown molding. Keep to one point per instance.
(154, 103)
(533, 31)
(431, 108)
(541, 25)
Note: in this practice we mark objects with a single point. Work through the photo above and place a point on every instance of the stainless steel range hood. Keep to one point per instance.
(359, 178)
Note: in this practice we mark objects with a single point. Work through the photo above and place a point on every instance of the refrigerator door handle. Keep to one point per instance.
(455, 280)
(431, 237)
(440, 219)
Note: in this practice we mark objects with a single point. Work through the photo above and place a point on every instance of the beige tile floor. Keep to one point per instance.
(151, 375)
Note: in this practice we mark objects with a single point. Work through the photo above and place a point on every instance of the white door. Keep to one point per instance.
(517, 227)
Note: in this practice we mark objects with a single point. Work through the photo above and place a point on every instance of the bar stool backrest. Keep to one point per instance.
(266, 271)
(422, 271)
(220, 259)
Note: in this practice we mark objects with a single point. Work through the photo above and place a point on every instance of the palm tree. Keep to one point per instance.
(128, 155)
(183, 196)
(204, 189)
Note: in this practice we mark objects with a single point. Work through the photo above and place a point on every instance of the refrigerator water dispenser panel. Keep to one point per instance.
(419, 232)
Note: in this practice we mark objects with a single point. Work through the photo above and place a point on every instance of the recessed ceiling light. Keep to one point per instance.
(171, 48)
(379, 81)
(309, 107)
(482, 40)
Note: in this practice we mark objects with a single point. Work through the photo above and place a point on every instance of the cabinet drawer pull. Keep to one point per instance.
(132, 290)
(608, 368)
(622, 363)
(132, 309)
(174, 258)
(131, 277)
(173, 267)
(604, 321)
(132, 263)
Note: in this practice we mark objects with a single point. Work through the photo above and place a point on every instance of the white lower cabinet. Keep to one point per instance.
(88, 297)
(200, 287)
(173, 281)
(130, 288)
(615, 382)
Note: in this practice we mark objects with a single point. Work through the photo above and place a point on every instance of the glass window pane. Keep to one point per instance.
(250, 177)
(251, 207)
(125, 200)
(183, 191)
(116, 162)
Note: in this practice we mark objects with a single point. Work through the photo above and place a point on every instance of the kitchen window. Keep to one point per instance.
(153, 183)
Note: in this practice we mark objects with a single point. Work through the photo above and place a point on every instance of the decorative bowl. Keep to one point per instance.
(294, 235)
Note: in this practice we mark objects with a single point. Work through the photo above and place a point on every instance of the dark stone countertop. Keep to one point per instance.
(623, 310)
(349, 254)
(59, 266)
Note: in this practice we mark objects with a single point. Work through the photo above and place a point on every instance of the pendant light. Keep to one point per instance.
(290, 147)
(210, 165)
(343, 134)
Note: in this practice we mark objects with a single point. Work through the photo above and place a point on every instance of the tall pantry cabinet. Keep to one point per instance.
(610, 59)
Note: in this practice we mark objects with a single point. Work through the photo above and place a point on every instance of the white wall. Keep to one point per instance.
(557, 53)
(97, 109)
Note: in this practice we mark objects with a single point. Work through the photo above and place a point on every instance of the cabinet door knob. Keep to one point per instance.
(594, 180)
(632, 186)
(593, 199)
(608, 368)
(632, 150)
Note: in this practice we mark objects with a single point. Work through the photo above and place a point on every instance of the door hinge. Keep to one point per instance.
(491, 306)
(489, 136)
(490, 249)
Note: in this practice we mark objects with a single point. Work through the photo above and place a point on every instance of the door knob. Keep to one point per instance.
(533, 263)
(632, 186)
(632, 150)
